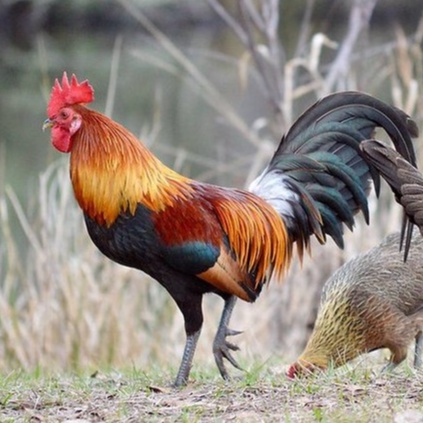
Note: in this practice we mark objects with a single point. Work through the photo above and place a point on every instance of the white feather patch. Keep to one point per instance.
(272, 188)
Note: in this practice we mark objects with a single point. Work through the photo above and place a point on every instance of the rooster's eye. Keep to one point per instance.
(64, 115)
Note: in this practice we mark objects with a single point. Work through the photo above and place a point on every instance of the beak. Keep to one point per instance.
(47, 124)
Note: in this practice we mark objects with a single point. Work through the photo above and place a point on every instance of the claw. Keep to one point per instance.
(231, 332)
(221, 347)
(221, 351)
(226, 354)
(232, 347)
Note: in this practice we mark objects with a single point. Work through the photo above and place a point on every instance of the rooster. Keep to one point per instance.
(195, 238)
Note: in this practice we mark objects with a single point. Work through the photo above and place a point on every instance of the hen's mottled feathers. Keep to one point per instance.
(373, 301)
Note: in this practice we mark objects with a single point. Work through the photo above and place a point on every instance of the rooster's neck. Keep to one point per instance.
(112, 172)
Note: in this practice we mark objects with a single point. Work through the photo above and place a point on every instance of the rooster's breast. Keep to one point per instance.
(131, 240)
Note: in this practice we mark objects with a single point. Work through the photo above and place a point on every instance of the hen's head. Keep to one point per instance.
(303, 368)
(63, 117)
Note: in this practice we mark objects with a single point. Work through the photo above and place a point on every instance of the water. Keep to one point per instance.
(154, 100)
(153, 97)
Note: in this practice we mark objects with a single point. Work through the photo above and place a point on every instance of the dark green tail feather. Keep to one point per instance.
(320, 158)
(358, 111)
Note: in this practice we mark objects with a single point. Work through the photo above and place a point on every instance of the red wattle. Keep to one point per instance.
(61, 140)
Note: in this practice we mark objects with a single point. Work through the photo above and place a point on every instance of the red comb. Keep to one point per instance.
(69, 94)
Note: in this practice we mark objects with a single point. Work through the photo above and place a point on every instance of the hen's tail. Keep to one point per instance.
(405, 180)
(319, 178)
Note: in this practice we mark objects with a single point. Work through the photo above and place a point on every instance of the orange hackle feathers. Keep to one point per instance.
(69, 94)
(258, 241)
(112, 172)
(256, 233)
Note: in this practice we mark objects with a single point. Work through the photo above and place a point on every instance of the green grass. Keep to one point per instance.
(64, 306)
(132, 395)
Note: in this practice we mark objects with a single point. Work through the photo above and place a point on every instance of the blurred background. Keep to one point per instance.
(210, 86)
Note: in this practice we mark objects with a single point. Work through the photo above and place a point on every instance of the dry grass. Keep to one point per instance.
(65, 306)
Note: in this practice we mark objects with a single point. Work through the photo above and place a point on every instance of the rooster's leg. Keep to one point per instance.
(185, 367)
(190, 306)
(221, 347)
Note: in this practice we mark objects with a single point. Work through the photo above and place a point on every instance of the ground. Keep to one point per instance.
(349, 395)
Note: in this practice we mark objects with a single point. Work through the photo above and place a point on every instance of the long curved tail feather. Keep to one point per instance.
(319, 178)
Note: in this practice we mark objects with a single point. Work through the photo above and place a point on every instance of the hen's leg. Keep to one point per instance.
(221, 347)
(418, 350)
